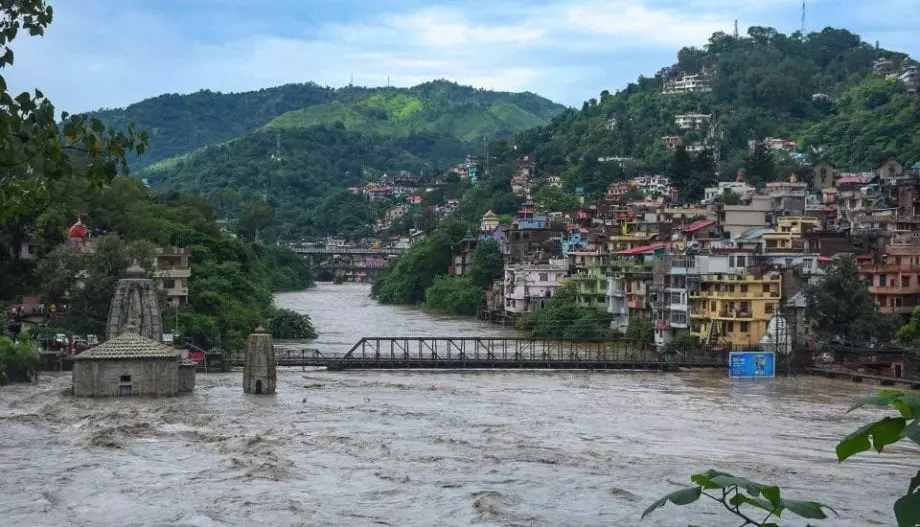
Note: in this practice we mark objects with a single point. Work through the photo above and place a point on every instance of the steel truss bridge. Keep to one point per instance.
(466, 353)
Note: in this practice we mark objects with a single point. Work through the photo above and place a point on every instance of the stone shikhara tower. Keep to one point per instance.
(135, 304)
(259, 374)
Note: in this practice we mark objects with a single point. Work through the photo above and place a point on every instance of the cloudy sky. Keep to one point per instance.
(110, 53)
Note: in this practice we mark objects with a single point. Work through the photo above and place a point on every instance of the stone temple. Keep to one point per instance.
(135, 304)
(133, 360)
(131, 364)
(259, 374)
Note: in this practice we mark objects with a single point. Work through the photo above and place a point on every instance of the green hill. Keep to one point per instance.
(441, 107)
(819, 90)
(179, 124)
(342, 138)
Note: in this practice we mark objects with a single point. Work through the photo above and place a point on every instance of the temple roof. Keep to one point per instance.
(129, 345)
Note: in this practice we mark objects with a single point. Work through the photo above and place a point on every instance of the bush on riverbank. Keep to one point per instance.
(288, 324)
(18, 361)
(455, 295)
(563, 318)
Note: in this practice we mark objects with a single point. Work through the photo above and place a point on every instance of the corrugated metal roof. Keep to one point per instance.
(641, 250)
(699, 225)
(129, 345)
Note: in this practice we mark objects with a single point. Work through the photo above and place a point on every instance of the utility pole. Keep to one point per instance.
(736, 28)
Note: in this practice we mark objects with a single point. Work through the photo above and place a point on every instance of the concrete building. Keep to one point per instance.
(701, 82)
(529, 286)
(742, 189)
(789, 232)
(734, 309)
(734, 220)
(895, 282)
(629, 283)
(172, 271)
(591, 287)
(824, 176)
(130, 365)
(692, 121)
(135, 304)
(259, 370)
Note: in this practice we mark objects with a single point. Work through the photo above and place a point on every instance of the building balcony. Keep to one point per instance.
(635, 304)
(176, 291)
(173, 272)
(725, 295)
(895, 290)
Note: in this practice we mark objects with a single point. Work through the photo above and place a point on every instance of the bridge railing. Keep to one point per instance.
(434, 349)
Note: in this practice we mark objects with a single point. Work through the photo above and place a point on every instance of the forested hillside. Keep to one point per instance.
(315, 163)
(179, 124)
(819, 90)
(356, 134)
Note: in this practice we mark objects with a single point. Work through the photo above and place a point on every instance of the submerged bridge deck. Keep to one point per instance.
(496, 353)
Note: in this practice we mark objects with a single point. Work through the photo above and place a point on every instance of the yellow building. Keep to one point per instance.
(734, 309)
(789, 229)
(489, 222)
(629, 237)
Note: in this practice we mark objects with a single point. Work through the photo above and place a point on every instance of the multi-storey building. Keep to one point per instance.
(692, 121)
(528, 287)
(701, 82)
(172, 272)
(629, 278)
(734, 309)
(788, 233)
(894, 282)
(591, 287)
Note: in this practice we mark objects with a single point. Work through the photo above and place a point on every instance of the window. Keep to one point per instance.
(125, 378)
(678, 317)
(905, 280)
(744, 327)
(882, 280)
(740, 261)
(768, 308)
(675, 298)
(766, 288)
(731, 326)
(544, 277)
(869, 280)
(731, 261)
(744, 288)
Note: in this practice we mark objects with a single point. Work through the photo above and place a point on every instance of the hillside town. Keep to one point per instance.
(726, 274)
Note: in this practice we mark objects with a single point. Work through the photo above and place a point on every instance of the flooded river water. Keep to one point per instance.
(425, 449)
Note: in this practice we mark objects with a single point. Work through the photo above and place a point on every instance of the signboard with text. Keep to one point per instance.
(751, 364)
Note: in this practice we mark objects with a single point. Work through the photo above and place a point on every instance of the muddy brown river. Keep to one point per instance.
(426, 449)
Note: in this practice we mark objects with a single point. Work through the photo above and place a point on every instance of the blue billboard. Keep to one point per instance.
(751, 364)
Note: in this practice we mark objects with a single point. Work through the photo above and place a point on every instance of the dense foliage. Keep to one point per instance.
(232, 280)
(18, 360)
(563, 318)
(455, 295)
(36, 149)
(841, 307)
(764, 85)
(288, 324)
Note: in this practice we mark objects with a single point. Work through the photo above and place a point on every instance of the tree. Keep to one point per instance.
(640, 330)
(759, 165)
(35, 150)
(910, 333)
(257, 217)
(59, 270)
(680, 171)
(456, 295)
(488, 264)
(841, 306)
(289, 324)
(729, 198)
(554, 199)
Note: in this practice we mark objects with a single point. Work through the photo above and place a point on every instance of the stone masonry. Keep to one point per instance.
(259, 375)
(135, 304)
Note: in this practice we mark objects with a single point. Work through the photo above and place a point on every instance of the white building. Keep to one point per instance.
(689, 84)
(740, 188)
(529, 286)
(692, 121)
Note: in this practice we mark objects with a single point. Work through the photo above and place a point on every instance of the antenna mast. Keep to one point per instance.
(803, 18)
(736, 28)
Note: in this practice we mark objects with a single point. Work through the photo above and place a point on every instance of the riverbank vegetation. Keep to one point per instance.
(563, 318)
(289, 324)
(18, 360)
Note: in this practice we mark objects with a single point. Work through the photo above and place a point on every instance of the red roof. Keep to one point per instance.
(78, 230)
(702, 224)
(641, 250)
(824, 259)
(852, 179)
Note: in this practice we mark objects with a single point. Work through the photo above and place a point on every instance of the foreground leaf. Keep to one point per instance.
(907, 510)
(679, 497)
(874, 435)
(812, 510)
